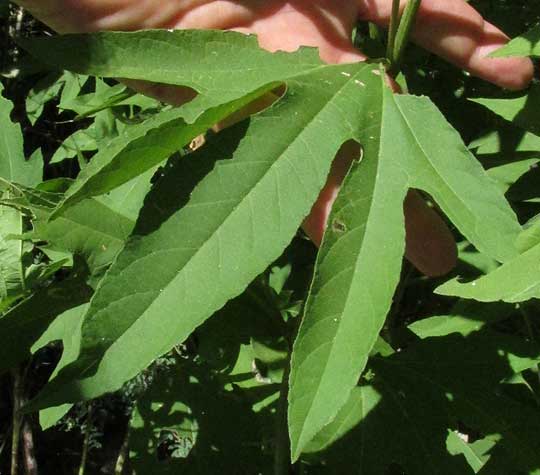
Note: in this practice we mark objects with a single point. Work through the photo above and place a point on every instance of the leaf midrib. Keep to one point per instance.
(346, 300)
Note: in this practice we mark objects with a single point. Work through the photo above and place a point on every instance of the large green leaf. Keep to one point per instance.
(402, 414)
(515, 281)
(358, 266)
(527, 44)
(194, 250)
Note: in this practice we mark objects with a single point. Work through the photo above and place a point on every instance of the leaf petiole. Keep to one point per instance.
(392, 30)
(402, 35)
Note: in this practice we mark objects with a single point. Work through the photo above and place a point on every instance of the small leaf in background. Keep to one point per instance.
(508, 153)
(187, 422)
(174, 428)
(13, 165)
(517, 280)
(520, 108)
(95, 228)
(477, 453)
(530, 236)
(465, 318)
(66, 328)
(527, 44)
(30, 319)
(44, 91)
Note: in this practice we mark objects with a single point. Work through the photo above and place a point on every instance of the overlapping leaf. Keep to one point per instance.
(358, 266)
(141, 148)
(95, 228)
(194, 249)
(221, 66)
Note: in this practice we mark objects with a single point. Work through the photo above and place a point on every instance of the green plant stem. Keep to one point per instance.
(403, 33)
(392, 30)
(282, 455)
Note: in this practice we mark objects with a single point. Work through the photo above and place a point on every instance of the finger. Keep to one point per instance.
(457, 32)
(429, 244)
(325, 24)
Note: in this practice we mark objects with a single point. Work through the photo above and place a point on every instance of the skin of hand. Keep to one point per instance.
(450, 28)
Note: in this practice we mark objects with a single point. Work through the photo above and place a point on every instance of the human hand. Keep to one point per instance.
(449, 28)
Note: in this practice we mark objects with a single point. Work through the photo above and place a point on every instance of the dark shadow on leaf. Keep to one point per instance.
(172, 190)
